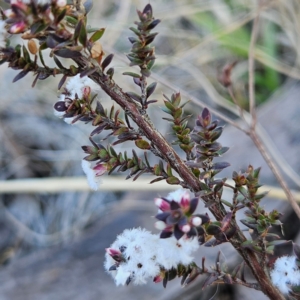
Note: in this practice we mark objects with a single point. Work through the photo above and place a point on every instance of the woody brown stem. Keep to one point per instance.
(145, 124)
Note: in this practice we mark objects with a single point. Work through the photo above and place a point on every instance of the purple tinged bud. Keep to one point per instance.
(162, 204)
(18, 27)
(185, 202)
(18, 4)
(206, 117)
(158, 278)
(115, 254)
(100, 169)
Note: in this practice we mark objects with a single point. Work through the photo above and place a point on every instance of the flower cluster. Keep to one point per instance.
(74, 103)
(286, 273)
(138, 255)
(176, 216)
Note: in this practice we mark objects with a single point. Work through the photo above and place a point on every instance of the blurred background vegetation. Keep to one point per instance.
(196, 40)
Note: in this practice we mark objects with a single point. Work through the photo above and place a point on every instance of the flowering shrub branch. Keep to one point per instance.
(138, 255)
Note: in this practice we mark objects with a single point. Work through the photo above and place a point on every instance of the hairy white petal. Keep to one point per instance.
(76, 85)
(285, 273)
(176, 195)
(93, 181)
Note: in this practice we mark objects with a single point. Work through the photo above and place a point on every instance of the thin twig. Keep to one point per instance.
(252, 109)
(251, 62)
(275, 171)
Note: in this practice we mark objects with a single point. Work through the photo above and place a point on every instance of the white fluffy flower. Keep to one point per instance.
(145, 254)
(285, 273)
(93, 180)
(77, 85)
(3, 33)
(173, 252)
(139, 250)
(177, 195)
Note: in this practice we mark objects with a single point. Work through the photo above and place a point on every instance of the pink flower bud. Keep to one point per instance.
(86, 91)
(100, 169)
(158, 278)
(18, 27)
(19, 4)
(162, 204)
(185, 201)
(115, 254)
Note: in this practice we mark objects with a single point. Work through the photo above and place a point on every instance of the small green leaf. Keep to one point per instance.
(61, 16)
(112, 152)
(136, 31)
(97, 35)
(157, 170)
(71, 20)
(177, 114)
(83, 34)
(157, 179)
(213, 229)
(167, 111)
(173, 180)
(150, 64)
(169, 170)
(169, 106)
(226, 203)
(142, 144)
(135, 75)
(247, 244)
(91, 157)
